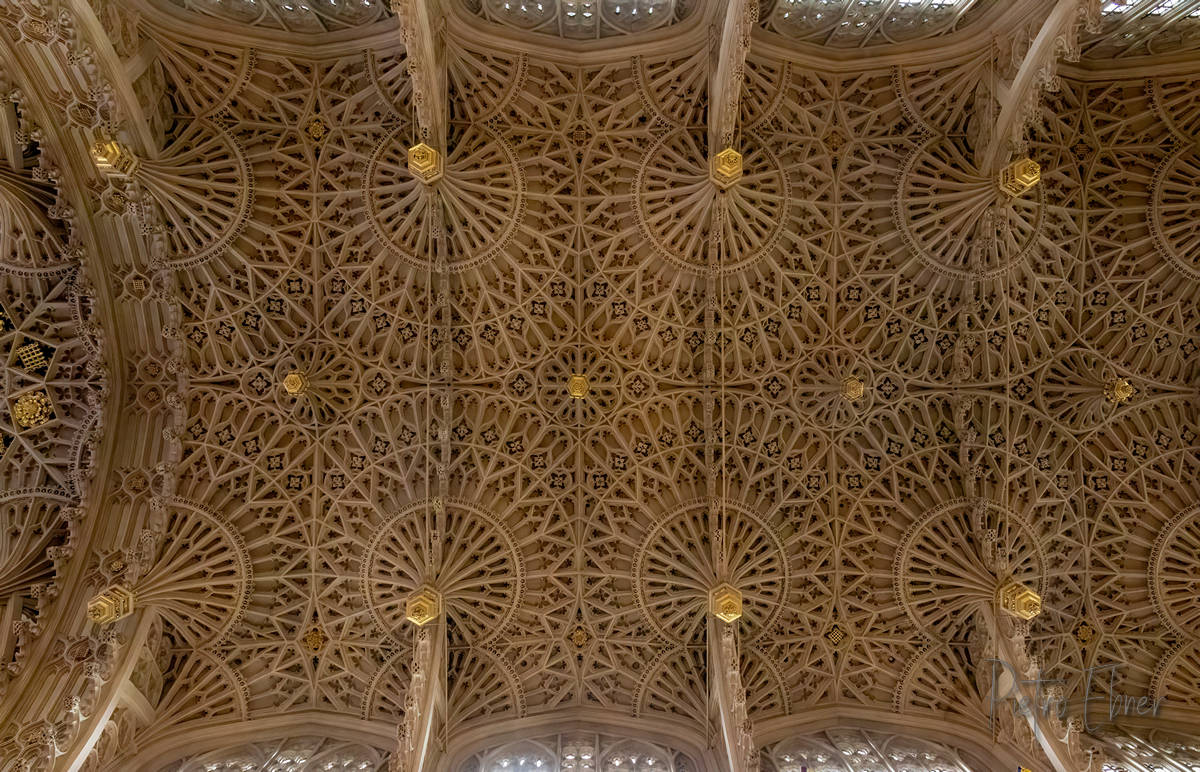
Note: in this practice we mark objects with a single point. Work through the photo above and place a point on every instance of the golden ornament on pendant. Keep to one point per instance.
(852, 388)
(111, 156)
(726, 168)
(577, 386)
(1019, 176)
(114, 603)
(423, 606)
(725, 602)
(425, 163)
(316, 129)
(1020, 601)
(295, 383)
(32, 357)
(1119, 391)
(314, 640)
(834, 141)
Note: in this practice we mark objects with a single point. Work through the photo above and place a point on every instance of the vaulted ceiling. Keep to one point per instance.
(267, 380)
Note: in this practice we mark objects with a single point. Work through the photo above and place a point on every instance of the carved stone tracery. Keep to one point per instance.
(900, 385)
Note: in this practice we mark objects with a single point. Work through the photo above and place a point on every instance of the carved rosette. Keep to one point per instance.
(835, 387)
(316, 384)
(600, 395)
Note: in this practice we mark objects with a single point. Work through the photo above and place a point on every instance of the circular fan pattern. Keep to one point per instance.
(1173, 581)
(204, 211)
(954, 558)
(678, 205)
(482, 195)
(389, 75)
(480, 576)
(679, 562)
(956, 220)
(1175, 209)
(200, 582)
(30, 243)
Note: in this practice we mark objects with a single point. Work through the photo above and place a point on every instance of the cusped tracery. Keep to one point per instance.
(1145, 751)
(578, 751)
(315, 384)
(835, 387)
(292, 754)
(52, 401)
(579, 386)
(867, 750)
(1083, 390)
(845, 25)
(294, 17)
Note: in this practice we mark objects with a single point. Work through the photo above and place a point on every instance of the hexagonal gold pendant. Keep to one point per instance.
(725, 602)
(111, 156)
(295, 382)
(114, 603)
(425, 163)
(1020, 601)
(1119, 391)
(423, 606)
(1019, 176)
(577, 386)
(726, 168)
